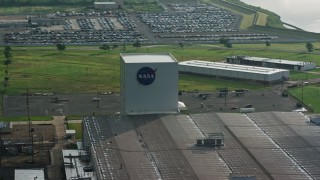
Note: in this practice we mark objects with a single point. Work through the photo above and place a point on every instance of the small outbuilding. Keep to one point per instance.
(70, 134)
(23, 174)
(5, 127)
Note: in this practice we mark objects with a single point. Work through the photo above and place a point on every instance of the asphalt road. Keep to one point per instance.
(83, 104)
(67, 104)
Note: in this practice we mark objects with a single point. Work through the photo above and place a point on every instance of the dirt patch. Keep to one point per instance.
(13, 18)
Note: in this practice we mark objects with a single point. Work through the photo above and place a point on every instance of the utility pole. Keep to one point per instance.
(225, 96)
(29, 123)
(32, 150)
(302, 91)
(28, 113)
(0, 150)
(98, 101)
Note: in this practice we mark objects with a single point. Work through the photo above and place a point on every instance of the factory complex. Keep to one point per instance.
(151, 140)
(151, 130)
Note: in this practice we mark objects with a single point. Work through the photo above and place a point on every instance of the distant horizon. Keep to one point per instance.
(304, 14)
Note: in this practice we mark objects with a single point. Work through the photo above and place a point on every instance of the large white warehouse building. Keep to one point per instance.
(149, 84)
(272, 63)
(233, 71)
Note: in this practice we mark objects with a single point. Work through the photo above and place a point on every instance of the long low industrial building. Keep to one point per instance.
(272, 63)
(265, 145)
(233, 71)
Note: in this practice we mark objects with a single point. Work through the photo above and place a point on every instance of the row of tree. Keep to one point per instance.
(228, 44)
(61, 47)
(7, 60)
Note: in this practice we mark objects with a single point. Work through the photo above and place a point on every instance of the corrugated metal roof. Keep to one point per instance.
(278, 61)
(70, 131)
(74, 167)
(147, 58)
(279, 145)
(232, 67)
(104, 3)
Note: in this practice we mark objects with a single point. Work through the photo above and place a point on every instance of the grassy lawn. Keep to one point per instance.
(78, 128)
(194, 83)
(297, 76)
(25, 118)
(143, 6)
(247, 21)
(294, 47)
(303, 35)
(46, 70)
(316, 70)
(311, 96)
(39, 9)
(248, 12)
(74, 117)
(84, 69)
(262, 19)
(131, 6)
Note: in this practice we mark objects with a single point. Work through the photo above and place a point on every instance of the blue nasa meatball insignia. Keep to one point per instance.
(146, 75)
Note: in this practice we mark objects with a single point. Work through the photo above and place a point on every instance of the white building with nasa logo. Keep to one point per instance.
(149, 84)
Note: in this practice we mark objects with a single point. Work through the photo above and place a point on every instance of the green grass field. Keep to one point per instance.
(251, 15)
(25, 118)
(78, 128)
(299, 76)
(81, 69)
(311, 96)
(131, 6)
(39, 9)
(262, 19)
(143, 6)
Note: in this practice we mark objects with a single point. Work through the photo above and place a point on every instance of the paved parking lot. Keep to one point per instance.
(186, 18)
(260, 100)
(197, 22)
(68, 104)
(83, 104)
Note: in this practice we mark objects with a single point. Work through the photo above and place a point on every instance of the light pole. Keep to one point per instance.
(32, 149)
(302, 92)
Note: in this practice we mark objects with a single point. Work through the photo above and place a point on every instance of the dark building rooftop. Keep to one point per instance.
(266, 145)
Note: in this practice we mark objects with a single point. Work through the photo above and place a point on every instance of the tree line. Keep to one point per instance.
(7, 60)
(44, 2)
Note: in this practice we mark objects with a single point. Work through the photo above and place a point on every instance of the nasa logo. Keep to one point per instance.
(146, 75)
